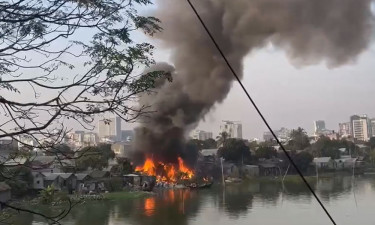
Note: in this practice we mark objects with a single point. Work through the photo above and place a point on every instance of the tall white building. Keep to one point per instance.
(232, 128)
(319, 127)
(344, 129)
(361, 128)
(110, 129)
(372, 125)
(201, 135)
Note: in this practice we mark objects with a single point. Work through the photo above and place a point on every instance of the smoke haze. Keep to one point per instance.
(330, 31)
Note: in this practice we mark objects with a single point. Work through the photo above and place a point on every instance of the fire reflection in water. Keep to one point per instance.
(149, 206)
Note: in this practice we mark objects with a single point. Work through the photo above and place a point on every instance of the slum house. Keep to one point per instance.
(250, 170)
(345, 162)
(231, 170)
(38, 180)
(269, 168)
(324, 163)
(98, 178)
(84, 183)
(61, 181)
(51, 164)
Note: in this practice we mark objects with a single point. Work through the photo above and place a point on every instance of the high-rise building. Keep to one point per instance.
(232, 128)
(344, 129)
(352, 118)
(201, 135)
(319, 127)
(110, 129)
(361, 127)
(283, 135)
(127, 135)
(372, 127)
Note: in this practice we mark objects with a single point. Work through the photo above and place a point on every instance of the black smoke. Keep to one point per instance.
(309, 31)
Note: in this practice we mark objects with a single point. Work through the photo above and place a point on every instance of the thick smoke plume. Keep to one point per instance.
(310, 31)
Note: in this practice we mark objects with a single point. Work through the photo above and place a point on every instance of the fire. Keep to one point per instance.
(166, 172)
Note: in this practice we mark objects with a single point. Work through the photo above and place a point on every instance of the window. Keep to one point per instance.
(37, 181)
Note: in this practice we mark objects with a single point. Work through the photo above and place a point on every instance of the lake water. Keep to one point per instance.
(251, 203)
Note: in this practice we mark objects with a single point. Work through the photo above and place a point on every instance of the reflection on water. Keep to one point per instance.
(149, 206)
(255, 202)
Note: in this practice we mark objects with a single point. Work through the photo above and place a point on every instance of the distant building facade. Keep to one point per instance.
(232, 128)
(201, 135)
(283, 135)
(80, 139)
(110, 129)
(361, 127)
(372, 125)
(127, 135)
(344, 129)
(319, 127)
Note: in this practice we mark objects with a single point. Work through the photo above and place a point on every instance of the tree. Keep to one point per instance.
(371, 143)
(302, 160)
(95, 157)
(265, 152)
(124, 166)
(235, 150)
(222, 138)
(325, 147)
(298, 140)
(66, 60)
(209, 144)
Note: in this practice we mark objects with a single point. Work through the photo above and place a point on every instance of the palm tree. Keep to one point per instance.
(222, 138)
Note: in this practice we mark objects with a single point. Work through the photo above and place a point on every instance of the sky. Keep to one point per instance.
(289, 96)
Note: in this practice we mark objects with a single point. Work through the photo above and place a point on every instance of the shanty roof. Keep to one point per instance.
(209, 152)
(346, 160)
(4, 186)
(81, 176)
(15, 161)
(64, 175)
(50, 176)
(322, 160)
(131, 175)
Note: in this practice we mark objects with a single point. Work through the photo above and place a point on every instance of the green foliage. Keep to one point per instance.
(47, 195)
(302, 160)
(222, 138)
(124, 167)
(95, 157)
(265, 152)
(371, 143)
(325, 147)
(298, 140)
(235, 150)
(18, 178)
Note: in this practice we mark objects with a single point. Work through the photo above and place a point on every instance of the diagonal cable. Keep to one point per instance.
(259, 112)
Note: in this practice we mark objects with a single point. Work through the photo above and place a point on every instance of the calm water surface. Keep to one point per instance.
(252, 203)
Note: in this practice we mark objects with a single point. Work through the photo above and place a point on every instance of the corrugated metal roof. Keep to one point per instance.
(322, 160)
(209, 152)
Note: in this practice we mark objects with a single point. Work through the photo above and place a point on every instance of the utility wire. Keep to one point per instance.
(258, 111)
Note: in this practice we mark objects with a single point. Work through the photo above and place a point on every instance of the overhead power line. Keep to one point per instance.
(259, 112)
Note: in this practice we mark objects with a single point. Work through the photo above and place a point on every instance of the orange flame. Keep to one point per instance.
(166, 172)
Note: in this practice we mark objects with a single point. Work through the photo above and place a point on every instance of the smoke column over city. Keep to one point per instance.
(331, 31)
